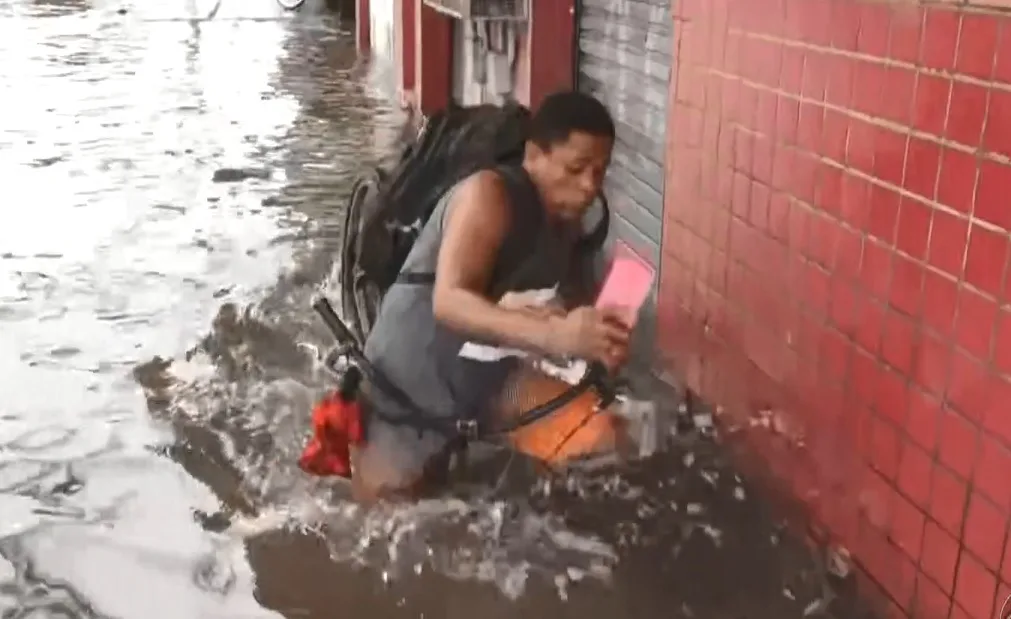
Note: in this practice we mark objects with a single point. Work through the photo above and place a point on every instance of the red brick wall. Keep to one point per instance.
(835, 273)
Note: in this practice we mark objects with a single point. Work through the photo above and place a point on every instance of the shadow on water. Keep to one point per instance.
(197, 169)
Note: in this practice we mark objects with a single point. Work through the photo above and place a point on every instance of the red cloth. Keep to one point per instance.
(336, 425)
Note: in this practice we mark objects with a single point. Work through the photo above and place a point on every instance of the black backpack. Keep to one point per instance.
(387, 210)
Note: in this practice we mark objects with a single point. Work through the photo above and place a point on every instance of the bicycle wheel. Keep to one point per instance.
(291, 5)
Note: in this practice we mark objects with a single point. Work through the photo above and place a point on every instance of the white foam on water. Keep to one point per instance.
(503, 543)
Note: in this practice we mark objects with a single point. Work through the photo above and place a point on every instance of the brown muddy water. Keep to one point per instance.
(174, 175)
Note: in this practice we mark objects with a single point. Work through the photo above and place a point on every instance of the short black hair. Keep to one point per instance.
(563, 113)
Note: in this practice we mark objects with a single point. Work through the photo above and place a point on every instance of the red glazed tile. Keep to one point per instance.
(1002, 603)
(907, 527)
(947, 500)
(870, 316)
(997, 132)
(996, 418)
(975, 587)
(930, 103)
(897, 342)
(977, 46)
(966, 113)
(839, 85)
(876, 270)
(875, 23)
(884, 448)
(809, 126)
(884, 213)
(787, 119)
(923, 161)
(931, 602)
(897, 95)
(868, 87)
(876, 500)
(1005, 570)
(939, 555)
(889, 155)
(1002, 342)
(833, 354)
(904, 39)
(985, 529)
(1002, 57)
(991, 196)
(784, 168)
(957, 449)
(849, 253)
(923, 421)
(974, 323)
(791, 75)
(845, 26)
(765, 113)
(957, 182)
(939, 314)
(948, 237)
(907, 286)
(932, 364)
(860, 146)
(970, 386)
(779, 216)
(814, 79)
(853, 201)
(842, 306)
(913, 229)
(941, 30)
(763, 153)
(914, 479)
(863, 376)
(834, 135)
(991, 476)
(892, 398)
(986, 259)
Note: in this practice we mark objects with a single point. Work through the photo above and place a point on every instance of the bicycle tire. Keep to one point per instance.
(290, 5)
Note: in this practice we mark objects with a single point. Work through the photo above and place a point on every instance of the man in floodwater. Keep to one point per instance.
(497, 241)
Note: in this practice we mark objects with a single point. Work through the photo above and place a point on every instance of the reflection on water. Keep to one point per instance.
(175, 173)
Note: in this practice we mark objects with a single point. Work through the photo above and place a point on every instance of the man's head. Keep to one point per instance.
(568, 151)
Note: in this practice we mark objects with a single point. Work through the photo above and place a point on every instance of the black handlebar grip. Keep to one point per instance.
(332, 320)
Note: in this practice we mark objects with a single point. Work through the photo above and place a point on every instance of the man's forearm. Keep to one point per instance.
(476, 316)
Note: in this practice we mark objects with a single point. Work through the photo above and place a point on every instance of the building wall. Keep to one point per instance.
(486, 67)
(382, 34)
(834, 273)
(625, 61)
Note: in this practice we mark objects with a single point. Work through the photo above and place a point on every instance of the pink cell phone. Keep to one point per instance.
(628, 283)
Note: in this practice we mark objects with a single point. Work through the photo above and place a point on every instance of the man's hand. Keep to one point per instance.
(591, 333)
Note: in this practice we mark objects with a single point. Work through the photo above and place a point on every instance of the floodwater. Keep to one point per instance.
(174, 174)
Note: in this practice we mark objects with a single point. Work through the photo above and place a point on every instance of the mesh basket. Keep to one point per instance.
(577, 430)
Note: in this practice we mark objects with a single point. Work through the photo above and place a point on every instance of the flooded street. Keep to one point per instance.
(175, 173)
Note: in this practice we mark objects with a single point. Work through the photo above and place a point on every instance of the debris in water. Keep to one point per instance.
(689, 459)
(562, 585)
(816, 607)
(788, 594)
(839, 562)
(714, 534)
(739, 493)
(693, 509)
(235, 175)
(703, 421)
(711, 478)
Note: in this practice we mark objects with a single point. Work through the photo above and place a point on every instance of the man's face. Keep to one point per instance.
(569, 174)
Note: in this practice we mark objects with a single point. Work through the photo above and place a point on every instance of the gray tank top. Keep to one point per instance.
(421, 356)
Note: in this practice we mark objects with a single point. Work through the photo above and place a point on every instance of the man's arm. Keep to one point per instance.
(474, 230)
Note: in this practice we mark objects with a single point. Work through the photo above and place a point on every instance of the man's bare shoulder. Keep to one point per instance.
(485, 191)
